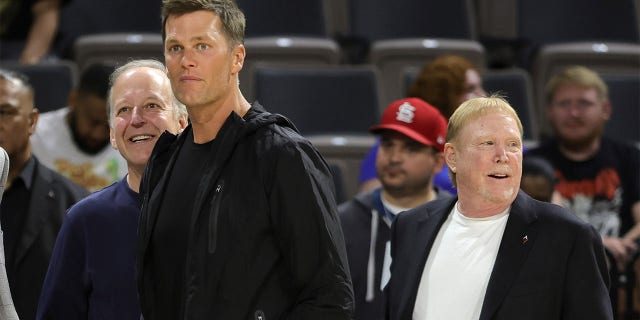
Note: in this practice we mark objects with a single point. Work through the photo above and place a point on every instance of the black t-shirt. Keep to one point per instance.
(600, 190)
(169, 240)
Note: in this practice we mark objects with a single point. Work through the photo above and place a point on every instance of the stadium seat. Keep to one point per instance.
(117, 48)
(394, 57)
(334, 101)
(51, 81)
(604, 58)
(285, 52)
(624, 94)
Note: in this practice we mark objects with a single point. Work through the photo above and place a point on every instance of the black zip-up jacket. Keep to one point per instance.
(273, 247)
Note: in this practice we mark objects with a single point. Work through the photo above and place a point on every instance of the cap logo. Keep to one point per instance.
(405, 113)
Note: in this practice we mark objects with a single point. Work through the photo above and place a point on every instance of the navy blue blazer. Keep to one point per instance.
(558, 273)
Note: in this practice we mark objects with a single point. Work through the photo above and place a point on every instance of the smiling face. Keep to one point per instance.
(487, 159)
(202, 67)
(141, 110)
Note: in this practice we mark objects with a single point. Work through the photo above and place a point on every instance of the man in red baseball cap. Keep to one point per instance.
(412, 136)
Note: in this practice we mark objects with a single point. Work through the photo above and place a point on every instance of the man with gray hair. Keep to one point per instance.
(92, 271)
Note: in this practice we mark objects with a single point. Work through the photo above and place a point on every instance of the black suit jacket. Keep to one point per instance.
(559, 272)
(51, 196)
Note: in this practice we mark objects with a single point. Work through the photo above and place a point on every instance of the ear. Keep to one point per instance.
(182, 124)
(450, 156)
(239, 53)
(72, 99)
(33, 120)
(112, 139)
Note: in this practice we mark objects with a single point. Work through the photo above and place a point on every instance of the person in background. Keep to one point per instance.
(35, 200)
(7, 310)
(28, 28)
(598, 178)
(239, 217)
(412, 135)
(74, 141)
(538, 178)
(445, 83)
(92, 271)
(493, 252)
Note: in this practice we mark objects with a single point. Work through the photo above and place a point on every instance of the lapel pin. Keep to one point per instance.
(525, 239)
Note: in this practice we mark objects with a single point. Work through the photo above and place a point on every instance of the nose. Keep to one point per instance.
(187, 59)
(501, 154)
(395, 154)
(137, 117)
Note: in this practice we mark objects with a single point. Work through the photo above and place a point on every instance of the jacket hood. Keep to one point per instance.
(257, 117)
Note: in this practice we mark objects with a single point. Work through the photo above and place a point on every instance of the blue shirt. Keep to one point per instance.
(92, 271)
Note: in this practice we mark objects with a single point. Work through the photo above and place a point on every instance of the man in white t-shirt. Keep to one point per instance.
(74, 141)
(493, 252)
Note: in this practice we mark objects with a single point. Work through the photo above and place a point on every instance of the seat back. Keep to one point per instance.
(287, 52)
(84, 17)
(284, 18)
(516, 86)
(542, 22)
(394, 57)
(624, 94)
(321, 100)
(383, 19)
(117, 48)
(51, 82)
(604, 58)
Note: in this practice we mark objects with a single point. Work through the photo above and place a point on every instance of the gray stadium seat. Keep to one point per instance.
(51, 81)
(604, 58)
(117, 48)
(515, 84)
(383, 19)
(285, 52)
(542, 22)
(394, 57)
(284, 18)
(624, 93)
(332, 101)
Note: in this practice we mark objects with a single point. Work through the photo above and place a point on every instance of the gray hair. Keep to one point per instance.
(179, 109)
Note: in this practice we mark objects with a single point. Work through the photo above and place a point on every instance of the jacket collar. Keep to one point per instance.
(43, 199)
(518, 239)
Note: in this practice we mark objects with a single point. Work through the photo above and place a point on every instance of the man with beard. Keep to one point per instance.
(74, 141)
(598, 178)
(412, 135)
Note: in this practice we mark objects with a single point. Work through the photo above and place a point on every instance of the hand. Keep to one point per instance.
(621, 250)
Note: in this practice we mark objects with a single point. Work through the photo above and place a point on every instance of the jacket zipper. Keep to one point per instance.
(213, 217)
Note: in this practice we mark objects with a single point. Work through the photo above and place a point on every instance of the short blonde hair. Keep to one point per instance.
(473, 109)
(580, 76)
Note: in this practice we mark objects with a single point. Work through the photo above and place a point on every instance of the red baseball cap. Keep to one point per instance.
(416, 119)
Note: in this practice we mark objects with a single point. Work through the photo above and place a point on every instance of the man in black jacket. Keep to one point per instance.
(239, 219)
(35, 200)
